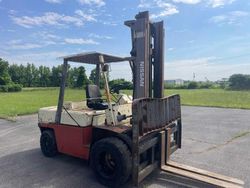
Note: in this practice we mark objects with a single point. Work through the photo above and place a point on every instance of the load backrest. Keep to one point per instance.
(151, 114)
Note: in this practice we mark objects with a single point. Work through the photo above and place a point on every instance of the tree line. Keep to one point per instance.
(235, 82)
(29, 75)
(43, 76)
(239, 82)
(13, 77)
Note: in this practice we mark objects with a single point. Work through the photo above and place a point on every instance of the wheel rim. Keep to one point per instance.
(107, 165)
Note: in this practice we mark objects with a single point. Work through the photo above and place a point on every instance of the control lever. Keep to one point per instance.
(122, 117)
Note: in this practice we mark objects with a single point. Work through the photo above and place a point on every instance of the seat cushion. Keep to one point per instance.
(98, 106)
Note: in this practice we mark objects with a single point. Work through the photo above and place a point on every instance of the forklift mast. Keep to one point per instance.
(148, 56)
(156, 120)
(151, 111)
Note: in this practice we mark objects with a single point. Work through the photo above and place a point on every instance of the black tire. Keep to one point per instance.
(111, 161)
(48, 143)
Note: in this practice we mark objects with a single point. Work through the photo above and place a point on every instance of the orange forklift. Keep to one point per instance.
(131, 136)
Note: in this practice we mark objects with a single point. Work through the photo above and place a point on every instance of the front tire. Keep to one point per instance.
(48, 143)
(111, 161)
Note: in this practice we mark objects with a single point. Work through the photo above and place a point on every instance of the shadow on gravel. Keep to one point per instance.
(31, 169)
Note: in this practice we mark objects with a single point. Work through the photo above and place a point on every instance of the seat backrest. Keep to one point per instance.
(93, 92)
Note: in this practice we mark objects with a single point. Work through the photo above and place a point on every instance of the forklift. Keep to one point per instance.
(130, 137)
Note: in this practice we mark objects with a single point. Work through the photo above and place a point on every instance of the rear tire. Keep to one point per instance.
(48, 143)
(111, 161)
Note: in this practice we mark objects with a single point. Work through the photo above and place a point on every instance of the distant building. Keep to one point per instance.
(175, 82)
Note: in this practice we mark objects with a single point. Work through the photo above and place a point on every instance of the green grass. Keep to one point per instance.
(214, 98)
(211, 97)
(30, 100)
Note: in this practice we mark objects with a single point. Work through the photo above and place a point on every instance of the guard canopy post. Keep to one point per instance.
(106, 88)
(61, 94)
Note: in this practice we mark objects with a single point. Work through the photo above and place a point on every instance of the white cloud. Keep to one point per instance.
(239, 13)
(54, 1)
(163, 8)
(21, 45)
(187, 1)
(26, 46)
(98, 3)
(190, 62)
(144, 4)
(3, 53)
(80, 41)
(12, 12)
(87, 17)
(52, 18)
(117, 68)
(161, 3)
(49, 18)
(207, 67)
(218, 19)
(15, 41)
(99, 36)
(167, 9)
(39, 58)
(171, 49)
(219, 3)
(46, 35)
(233, 17)
(111, 23)
(191, 41)
(204, 67)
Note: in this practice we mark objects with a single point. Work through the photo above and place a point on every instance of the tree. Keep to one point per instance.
(205, 85)
(15, 73)
(239, 82)
(82, 79)
(4, 74)
(192, 85)
(92, 78)
(35, 75)
(44, 76)
(28, 75)
(72, 78)
(56, 75)
(31, 76)
(119, 84)
(77, 77)
(22, 75)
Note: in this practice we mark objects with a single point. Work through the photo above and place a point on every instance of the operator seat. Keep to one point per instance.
(94, 98)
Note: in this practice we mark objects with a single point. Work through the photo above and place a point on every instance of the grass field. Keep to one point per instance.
(214, 98)
(30, 100)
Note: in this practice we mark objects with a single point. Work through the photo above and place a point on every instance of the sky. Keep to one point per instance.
(208, 38)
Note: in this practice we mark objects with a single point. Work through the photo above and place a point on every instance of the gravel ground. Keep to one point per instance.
(215, 139)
